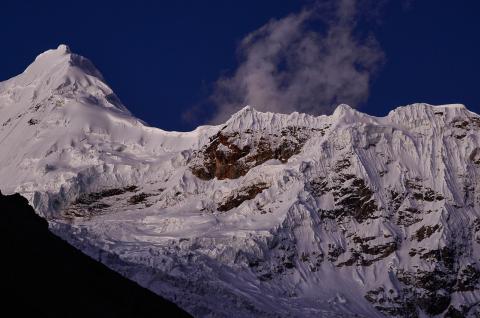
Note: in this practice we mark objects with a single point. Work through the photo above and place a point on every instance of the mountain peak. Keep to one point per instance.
(247, 108)
(344, 110)
(245, 111)
(63, 48)
(60, 54)
(58, 62)
(59, 72)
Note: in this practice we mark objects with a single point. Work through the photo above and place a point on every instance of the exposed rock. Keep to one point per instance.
(453, 312)
(334, 251)
(222, 158)
(88, 204)
(139, 198)
(352, 199)
(425, 231)
(365, 255)
(391, 303)
(318, 186)
(468, 279)
(409, 216)
(475, 156)
(241, 195)
(32, 122)
(92, 197)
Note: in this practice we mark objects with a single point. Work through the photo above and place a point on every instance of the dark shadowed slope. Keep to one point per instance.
(45, 276)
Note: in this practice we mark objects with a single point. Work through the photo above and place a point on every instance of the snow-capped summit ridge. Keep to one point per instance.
(63, 48)
(249, 118)
(346, 113)
(62, 75)
(49, 59)
(60, 51)
(420, 114)
(60, 60)
(429, 108)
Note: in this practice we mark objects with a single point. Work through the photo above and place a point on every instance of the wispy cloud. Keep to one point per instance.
(287, 66)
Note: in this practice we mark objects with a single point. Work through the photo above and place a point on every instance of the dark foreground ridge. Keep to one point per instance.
(43, 276)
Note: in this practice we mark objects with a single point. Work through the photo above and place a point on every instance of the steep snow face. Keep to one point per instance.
(276, 215)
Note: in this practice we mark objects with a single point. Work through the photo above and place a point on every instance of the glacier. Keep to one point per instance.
(267, 215)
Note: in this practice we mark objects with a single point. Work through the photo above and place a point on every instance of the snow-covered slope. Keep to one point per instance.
(64, 131)
(265, 215)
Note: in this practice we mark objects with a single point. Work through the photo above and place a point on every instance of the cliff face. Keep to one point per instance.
(44, 276)
(265, 215)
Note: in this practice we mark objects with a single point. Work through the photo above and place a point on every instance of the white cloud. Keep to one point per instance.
(286, 66)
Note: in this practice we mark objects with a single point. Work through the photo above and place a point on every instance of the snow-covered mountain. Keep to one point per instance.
(347, 215)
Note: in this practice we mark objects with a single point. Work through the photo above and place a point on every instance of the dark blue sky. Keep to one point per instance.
(162, 57)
